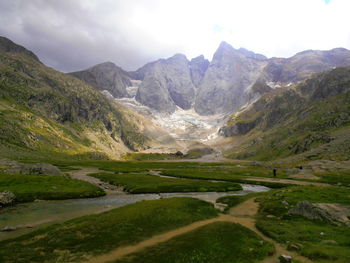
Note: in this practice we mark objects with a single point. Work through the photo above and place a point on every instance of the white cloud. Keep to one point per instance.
(71, 35)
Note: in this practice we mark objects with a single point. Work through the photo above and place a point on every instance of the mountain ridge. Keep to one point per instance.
(233, 78)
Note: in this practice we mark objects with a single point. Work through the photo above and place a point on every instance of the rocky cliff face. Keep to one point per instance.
(167, 84)
(198, 67)
(106, 76)
(226, 82)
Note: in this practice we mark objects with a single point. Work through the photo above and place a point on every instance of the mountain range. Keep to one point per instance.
(251, 106)
(233, 78)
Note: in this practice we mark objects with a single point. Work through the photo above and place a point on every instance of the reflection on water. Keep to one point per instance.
(29, 216)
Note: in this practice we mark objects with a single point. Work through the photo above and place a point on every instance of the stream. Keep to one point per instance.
(29, 216)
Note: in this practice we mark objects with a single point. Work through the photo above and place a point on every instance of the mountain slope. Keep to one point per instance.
(46, 112)
(311, 119)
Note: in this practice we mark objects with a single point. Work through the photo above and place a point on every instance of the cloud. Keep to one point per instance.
(73, 35)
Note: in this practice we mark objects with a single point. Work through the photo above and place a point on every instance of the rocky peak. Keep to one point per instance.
(166, 84)
(106, 76)
(6, 45)
(227, 80)
(198, 67)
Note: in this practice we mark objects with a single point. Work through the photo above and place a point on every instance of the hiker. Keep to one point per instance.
(274, 172)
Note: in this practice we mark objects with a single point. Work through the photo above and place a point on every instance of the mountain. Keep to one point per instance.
(226, 83)
(46, 113)
(234, 78)
(106, 76)
(310, 120)
(167, 84)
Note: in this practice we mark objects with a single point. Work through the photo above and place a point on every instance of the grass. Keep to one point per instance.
(150, 156)
(145, 183)
(77, 239)
(30, 187)
(217, 242)
(336, 177)
(331, 246)
(225, 174)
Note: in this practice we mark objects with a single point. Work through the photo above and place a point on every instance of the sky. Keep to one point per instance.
(71, 35)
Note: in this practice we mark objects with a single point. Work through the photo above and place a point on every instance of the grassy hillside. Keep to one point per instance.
(311, 120)
(44, 112)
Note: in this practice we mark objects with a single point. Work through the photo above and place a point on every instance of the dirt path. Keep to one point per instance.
(82, 175)
(243, 214)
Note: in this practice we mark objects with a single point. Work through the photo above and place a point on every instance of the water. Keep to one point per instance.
(29, 216)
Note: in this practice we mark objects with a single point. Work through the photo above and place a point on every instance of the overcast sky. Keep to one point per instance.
(71, 35)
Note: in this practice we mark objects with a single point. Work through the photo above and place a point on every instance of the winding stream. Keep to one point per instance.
(29, 216)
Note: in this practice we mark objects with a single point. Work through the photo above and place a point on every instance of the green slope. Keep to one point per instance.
(310, 120)
(44, 112)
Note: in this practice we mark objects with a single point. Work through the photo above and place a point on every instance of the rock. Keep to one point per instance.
(322, 233)
(271, 216)
(6, 198)
(332, 213)
(220, 206)
(285, 259)
(284, 202)
(37, 168)
(295, 246)
(330, 242)
(9, 229)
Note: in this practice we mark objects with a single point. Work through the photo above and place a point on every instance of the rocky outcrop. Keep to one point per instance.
(36, 168)
(239, 128)
(106, 76)
(167, 84)
(333, 213)
(6, 198)
(225, 85)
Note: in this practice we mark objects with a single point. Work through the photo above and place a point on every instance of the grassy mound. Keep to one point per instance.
(144, 183)
(30, 187)
(217, 242)
(77, 239)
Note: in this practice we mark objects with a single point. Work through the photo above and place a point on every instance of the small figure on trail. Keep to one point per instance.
(274, 172)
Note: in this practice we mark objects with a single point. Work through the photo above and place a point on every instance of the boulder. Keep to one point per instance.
(285, 259)
(36, 168)
(6, 198)
(332, 213)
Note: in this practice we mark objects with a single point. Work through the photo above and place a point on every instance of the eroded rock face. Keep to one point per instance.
(225, 86)
(167, 84)
(6, 198)
(106, 76)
